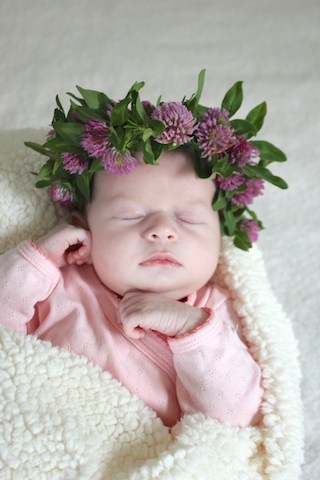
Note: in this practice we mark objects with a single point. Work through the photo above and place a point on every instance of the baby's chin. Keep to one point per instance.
(175, 294)
(171, 290)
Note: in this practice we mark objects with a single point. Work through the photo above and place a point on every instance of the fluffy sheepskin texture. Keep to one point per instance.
(63, 418)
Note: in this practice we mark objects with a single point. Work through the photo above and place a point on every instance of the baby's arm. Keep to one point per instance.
(26, 277)
(29, 273)
(216, 374)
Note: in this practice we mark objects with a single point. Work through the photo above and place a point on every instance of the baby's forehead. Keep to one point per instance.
(169, 183)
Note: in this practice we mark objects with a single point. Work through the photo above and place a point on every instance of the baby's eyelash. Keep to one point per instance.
(191, 221)
(131, 218)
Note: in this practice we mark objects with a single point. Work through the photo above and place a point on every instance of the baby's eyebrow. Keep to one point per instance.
(193, 205)
(123, 200)
(120, 199)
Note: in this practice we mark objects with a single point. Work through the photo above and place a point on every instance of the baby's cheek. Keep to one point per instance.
(209, 254)
(103, 240)
(111, 251)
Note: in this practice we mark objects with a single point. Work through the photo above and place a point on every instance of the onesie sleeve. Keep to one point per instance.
(216, 374)
(26, 278)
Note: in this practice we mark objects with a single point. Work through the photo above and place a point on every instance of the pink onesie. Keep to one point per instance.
(209, 370)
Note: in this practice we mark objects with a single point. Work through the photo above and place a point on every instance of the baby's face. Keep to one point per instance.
(154, 229)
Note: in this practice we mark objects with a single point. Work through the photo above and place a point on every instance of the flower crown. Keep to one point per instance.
(99, 133)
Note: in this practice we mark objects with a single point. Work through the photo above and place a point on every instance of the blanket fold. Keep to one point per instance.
(63, 418)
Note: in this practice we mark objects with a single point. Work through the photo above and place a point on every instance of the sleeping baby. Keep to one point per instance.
(129, 282)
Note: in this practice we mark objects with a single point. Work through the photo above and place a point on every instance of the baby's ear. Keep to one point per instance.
(79, 220)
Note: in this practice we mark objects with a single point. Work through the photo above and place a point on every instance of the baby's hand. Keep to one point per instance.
(66, 244)
(140, 311)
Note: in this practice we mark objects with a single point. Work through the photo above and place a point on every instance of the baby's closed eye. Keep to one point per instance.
(184, 216)
(131, 217)
(192, 218)
(129, 214)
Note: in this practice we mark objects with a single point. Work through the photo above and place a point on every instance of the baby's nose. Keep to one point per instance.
(161, 228)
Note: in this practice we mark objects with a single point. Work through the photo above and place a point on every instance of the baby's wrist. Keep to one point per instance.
(197, 318)
(37, 245)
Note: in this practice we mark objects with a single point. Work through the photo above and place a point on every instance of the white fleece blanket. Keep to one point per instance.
(63, 418)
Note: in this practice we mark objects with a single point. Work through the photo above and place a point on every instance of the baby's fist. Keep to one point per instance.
(66, 244)
(142, 311)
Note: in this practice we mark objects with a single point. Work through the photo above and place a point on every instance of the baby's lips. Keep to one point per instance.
(161, 258)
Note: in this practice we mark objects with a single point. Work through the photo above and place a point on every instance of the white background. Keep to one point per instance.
(48, 47)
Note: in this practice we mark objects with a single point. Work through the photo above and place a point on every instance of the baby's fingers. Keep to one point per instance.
(131, 322)
(136, 332)
(79, 256)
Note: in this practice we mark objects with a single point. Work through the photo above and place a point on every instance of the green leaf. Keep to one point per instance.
(127, 138)
(85, 113)
(59, 171)
(256, 171)
(46, 169)
(93, 99)
(241, 240)
(136, 86)
(199, 111)
(70, 132)
(157, 149)
(269, 152)
(193, 102)
(57, 167)
(59, 103)
(138, 107)
(58, 115)
(233, 98)
(254, 217)
(36, 147)
(40, 149)
(83, 183)
(219, 201)
(43, 183)
(113, 139)
(119, 112)
(147, 134)
(170, 146)
(95, 166)
(243, 127)
(252, 214)
(148, 154)
(80, 100)
(256, 115)
(117, 137)
(159, 101)
(201, 78)
(202, 166)
(223, 167)
(133, 145)
(157, 127)
(58, 145)
(230, 222)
